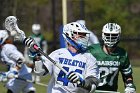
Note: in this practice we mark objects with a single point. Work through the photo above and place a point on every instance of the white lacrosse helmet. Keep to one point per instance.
(36, 29)
(70, 32)
(81, 22)
(3, 36)
(111, 34)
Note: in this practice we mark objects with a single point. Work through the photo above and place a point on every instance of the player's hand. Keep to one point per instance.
(29, 42)
(75, 78)
(130, 90)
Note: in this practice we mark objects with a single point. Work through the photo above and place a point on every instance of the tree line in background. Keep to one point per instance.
(96, 13)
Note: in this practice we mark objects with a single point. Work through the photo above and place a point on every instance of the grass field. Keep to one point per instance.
(42, 89)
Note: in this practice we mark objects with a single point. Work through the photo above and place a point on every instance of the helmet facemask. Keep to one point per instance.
(110, 40)
(76, 36)
(111, 34)
(81, 38)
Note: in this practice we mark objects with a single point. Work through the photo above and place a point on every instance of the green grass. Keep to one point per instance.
(45, 79)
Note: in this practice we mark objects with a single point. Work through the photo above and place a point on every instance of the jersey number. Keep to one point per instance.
(63, 78)
(104, 74)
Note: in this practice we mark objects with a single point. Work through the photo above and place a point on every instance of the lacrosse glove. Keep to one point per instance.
(90, 83)
(130, 88)
(75, 78)
(29, 42)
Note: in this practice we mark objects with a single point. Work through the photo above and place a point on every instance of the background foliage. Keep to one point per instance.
(96, 13)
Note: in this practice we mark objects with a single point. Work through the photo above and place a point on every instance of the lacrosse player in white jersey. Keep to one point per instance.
(81, 66)
(14, 59)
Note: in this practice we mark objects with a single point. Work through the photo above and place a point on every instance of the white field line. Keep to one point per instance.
(45, 85)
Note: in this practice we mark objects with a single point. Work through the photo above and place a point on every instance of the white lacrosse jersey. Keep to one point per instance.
(9, 55)
(84, 64)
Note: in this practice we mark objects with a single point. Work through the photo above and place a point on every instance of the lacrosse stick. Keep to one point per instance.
(12, 27)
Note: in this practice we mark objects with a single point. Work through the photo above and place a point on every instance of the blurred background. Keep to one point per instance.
(52, 14)
(96, 13)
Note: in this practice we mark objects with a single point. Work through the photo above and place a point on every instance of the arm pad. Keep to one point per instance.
(128, 80)
(40, 69)
(90, 83)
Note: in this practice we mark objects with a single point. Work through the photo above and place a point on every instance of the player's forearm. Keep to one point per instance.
(128, 80)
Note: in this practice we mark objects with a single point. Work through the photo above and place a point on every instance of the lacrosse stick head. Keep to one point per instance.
(12, 27)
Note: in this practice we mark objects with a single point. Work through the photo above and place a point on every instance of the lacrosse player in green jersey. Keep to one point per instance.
(111, 59)
(42, 43)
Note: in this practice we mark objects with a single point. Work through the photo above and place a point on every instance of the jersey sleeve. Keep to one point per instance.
(126, 68)
(92, 67)
(13, 53)
(126, 72)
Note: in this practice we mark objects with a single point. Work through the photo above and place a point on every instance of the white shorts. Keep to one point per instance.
(17, 86)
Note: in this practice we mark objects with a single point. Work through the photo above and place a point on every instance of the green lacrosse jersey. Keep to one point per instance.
(110, 65)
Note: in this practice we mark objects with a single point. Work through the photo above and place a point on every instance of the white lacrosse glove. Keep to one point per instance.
(75, 78)
(130, 88)
(3, 77)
